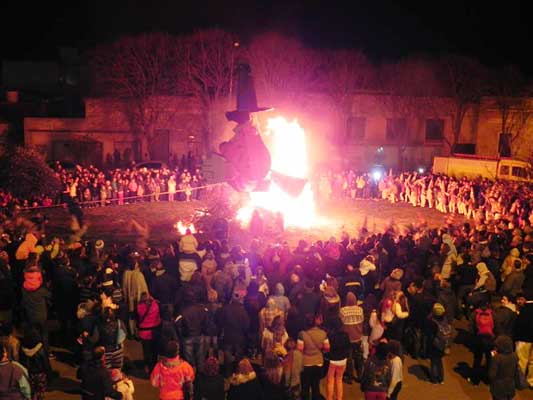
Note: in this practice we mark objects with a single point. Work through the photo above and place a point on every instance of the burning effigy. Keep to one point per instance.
(275, 175)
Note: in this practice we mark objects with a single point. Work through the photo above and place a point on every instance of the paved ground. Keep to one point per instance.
(110, 223)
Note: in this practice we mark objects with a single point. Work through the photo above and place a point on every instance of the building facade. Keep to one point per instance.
(398, 133)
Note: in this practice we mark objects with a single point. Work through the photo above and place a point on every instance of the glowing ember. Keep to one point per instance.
(288, 149)
(182, 228)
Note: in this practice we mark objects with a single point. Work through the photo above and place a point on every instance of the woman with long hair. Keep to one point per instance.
(338, 356)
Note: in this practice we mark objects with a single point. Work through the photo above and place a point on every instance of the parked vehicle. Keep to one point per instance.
(151, 165)
(490, 168)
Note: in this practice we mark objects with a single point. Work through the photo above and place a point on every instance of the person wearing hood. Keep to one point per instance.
(267, 315)
(35, 301)
(508, 265)
(503, 369)
(244, 384)
(392, 283)
(485, 278)
(134, 285)
(282, 301)
(33, 357)
(449, 254)
(512, 284)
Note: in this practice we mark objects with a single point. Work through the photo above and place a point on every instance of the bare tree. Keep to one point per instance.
(204, 68)
(136, 71)
(411, 94)
(465, 80)
(284, 70)
(508, 85)
(344, 72)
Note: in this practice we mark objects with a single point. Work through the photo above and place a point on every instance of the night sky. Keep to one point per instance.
(497, 34)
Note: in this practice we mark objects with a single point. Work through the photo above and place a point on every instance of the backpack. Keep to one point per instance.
(484, 322)
(442, 339)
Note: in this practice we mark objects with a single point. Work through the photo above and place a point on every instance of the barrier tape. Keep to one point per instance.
(115, 200)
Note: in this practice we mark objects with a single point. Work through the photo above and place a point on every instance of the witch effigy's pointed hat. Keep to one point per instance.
(246, 97)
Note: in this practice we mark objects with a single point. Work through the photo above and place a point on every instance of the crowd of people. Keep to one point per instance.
(93, 187)
(218, 320)
(479, 199)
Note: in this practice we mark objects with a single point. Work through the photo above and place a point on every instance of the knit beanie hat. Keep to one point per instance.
(438, 310)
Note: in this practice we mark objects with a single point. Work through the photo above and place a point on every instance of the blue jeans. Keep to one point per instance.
(194, 351)
(436, 370)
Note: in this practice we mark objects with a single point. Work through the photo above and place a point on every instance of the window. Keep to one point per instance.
(519, 172)
(396, 128)
(355, 129)
(504, 170)
(504, 145)
(434, 129)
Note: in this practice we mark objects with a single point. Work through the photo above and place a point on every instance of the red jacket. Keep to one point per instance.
(169, 375)
(148, 318)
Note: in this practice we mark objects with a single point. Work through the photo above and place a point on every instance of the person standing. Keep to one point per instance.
(312, 342)
(377, 374)
(173, 376)
(234, 323)
(34, 358)
(35, 302)
(134, 285)
(503, 369)
(149, 321)
(338, 356)
(436, 342)
(523, 335)
(352, 317)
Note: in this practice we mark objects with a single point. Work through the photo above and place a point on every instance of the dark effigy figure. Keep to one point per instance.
(247, 156)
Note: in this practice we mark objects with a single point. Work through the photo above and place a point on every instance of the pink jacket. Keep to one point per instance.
(169, 375)
(147, 320)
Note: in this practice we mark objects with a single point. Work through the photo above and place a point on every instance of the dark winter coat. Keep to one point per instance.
(371, 380)
(340, 346)
(245, 387)
(35, 304)
(209, 387)
(96, 383)
(163, 288)
(35, 360)
(503, 369)
(523, 329)
(234, 322)
(504, 320)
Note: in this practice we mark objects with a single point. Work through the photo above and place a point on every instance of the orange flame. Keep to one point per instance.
(182, 228)
(288, 149)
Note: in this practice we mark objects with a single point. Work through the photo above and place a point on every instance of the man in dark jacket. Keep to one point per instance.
(66, 297)
(191, 326)
(96, 383)
(523, 335)
(503, 369)
(163, 287)
(234, 321)
(420, 306)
